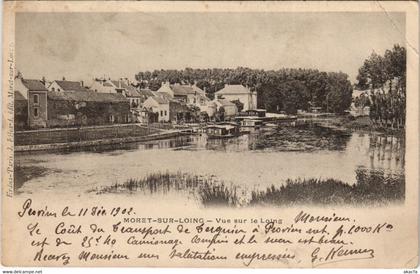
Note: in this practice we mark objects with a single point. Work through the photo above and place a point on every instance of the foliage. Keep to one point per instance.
(372, 188)
(278, 90)
(362, 100)
(238, 104)
(220, 114)
(385, 78)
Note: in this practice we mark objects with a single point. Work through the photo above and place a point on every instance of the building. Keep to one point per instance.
(20, 111)
(229, 109)
(179, 112)
(174, 91)
(145, 94)
(210, 109)
(24, 85)
(190, 94)
(76, 108)
(238, 92)
(157, 109)
(65, 85)
(22, 88)
(121, 86)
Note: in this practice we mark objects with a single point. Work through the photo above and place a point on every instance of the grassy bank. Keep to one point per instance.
(23, 174)
(207, 189)
(67, 135)
(372, 188)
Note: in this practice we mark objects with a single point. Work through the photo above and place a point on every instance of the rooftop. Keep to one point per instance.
(71, 85)
(225, 102)
(146, 92)
(32, 84)
(234, 89)
(161, 99)
(19, 96)
(86, 96)
(130, 91)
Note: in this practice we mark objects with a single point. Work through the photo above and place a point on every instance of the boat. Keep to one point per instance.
(255, 123)
(219, 131)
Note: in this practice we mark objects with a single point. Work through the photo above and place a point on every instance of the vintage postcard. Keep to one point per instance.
(210, 134)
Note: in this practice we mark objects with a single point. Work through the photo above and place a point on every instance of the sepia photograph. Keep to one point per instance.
(210, 134)
(212, 109)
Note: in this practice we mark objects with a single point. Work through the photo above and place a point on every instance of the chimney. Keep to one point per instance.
(81, 84)
(64, 78)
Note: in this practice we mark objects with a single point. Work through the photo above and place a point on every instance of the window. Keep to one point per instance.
(166, 113)
(36, 99)
(111, 118)
(36, 112)
(58, 89)
(161, 113)
(53, 89)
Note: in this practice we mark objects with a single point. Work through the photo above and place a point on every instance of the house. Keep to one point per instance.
(190, 94)
(157, 107)
(179, 111)
(22, 89)
(175, 91)
(144, 94)
(210, 109)
(238, 92)
(65, 85)
(121, 86)
(24, 85)
(21, 111)
(229, 109)
(76, 108)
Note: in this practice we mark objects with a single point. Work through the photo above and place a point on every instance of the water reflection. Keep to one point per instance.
(242, 161)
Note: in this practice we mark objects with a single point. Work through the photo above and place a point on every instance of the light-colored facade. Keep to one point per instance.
(190, 94)
(238, 92)
(158, 105)
(230, 108)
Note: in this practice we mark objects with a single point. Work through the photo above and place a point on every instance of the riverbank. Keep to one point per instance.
(373, 188)
(363, 123)
(70, 138)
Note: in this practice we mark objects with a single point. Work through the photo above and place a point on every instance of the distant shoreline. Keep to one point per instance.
(127, 137)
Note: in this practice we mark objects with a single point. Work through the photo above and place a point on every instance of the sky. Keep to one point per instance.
(81, 46)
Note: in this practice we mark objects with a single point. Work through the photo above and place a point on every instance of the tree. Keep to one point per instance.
(194, 112)
(220, 114)
(339, 95)
(204, 116)
(277, 89)
(239, 105)
(385, 78)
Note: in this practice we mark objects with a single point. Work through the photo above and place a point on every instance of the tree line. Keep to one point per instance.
(384, 76)
(280, 90)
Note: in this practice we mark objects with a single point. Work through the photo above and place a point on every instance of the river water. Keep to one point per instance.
(241, 161)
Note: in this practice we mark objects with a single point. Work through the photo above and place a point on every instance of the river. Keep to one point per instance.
(249, 161)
